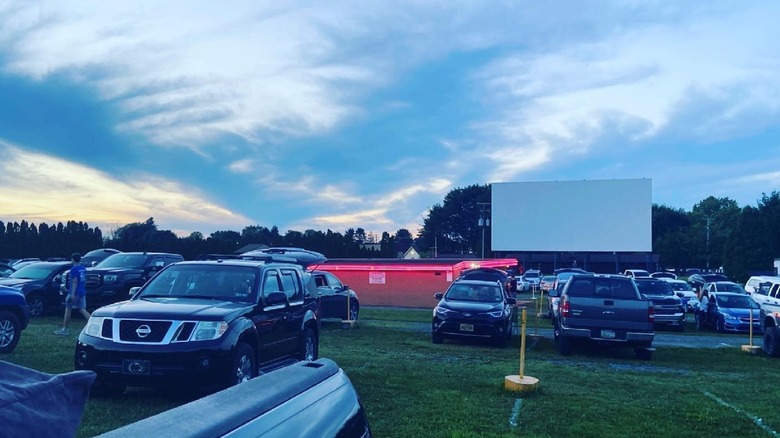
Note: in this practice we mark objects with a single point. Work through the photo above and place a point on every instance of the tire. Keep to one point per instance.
(564, 345)
(36, 305)
(308, 348)
(10, 331)
(643, 354)
(556, 331)
(354, 310)
(244, 367)
(771, 344)
(721, 326)
(105, 389)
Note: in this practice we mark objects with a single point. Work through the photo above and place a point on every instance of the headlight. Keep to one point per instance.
(441, 311)
(110, 278)
(209, 330)
(727, 316)
(94, 326)
(496, 314)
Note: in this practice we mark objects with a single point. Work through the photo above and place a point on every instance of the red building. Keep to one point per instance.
(404, 283)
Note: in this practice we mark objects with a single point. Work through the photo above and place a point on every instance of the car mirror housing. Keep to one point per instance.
(438, 295)
(134, 290)
(276, 298)
(511, 301)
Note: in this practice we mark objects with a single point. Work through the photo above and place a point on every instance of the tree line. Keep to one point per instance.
(715, 233)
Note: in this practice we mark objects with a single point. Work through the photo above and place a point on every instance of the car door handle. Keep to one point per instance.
(608, 312)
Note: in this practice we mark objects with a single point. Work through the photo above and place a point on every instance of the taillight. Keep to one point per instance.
(565, 307)
(651, 314)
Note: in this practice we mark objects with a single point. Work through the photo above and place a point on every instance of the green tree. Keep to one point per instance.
(454, 225)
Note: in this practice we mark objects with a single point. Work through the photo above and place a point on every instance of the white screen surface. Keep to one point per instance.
(581, 216)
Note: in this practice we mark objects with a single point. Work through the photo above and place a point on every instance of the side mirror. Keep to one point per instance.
(438, 295)
(511, 301)
(552, 293)
(134, 290)
(680, 294)
(276, 298)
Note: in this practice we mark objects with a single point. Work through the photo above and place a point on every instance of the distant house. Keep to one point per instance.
(411, 254)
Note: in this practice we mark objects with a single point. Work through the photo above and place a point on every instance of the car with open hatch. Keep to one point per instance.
(206, 323)
(474, 309)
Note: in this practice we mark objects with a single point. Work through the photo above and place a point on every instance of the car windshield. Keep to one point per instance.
(714, 277)
(731, 287)
(640, 273)
(680, 286)
(135, 261)
(548, 278)
(35, 271)
(531, 274)
(474, 292)
(654, 287)
(219, 282)
(736, 302)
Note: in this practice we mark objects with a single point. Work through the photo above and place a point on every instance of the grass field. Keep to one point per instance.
(413, 388)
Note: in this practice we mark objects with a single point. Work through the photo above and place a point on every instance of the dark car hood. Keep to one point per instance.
(664, 299)
(175, 308)
(471, 306)
(104, 271)
(18, 282)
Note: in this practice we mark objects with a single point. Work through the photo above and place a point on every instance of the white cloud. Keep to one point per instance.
(241, 166)
(85, 194)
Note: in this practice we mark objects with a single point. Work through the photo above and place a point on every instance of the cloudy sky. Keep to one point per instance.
(330, 115)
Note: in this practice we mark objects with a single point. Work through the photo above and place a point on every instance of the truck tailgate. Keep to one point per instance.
(609, 313)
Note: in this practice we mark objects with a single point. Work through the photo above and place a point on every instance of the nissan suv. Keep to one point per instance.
(111, 280)
(210, 323)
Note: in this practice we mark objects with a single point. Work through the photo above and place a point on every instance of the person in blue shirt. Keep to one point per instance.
(77, 294)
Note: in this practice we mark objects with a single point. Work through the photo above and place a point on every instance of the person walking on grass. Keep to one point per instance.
(77, 294)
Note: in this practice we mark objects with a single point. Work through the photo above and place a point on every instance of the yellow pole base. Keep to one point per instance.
(521, 384)
(752, 349)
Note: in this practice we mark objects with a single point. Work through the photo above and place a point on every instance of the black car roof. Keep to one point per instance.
(299, 256)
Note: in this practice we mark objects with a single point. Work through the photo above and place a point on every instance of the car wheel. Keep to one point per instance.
(643, 354)
(354, 309)
(243, 368)
(437, 338)
(721, 325)
(308, 349)
(35, 303)
(564, 345)
(10, 331)
(105, 389)
(772, 342)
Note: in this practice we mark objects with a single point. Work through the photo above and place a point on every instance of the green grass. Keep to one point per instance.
(413, 388)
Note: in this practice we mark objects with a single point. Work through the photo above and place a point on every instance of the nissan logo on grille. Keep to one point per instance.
(143, 331)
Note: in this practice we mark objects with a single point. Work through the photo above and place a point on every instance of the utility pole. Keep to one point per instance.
(708, 241)
(484, 221)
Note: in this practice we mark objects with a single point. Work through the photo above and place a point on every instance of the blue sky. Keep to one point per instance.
(313, 115)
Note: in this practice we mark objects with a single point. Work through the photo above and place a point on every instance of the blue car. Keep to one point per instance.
(730, 312)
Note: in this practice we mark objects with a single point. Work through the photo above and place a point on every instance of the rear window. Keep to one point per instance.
(602, 288)
(654, 287)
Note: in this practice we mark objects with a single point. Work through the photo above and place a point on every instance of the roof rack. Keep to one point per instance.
(298, 256)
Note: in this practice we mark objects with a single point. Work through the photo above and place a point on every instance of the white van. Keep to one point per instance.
(761, 287)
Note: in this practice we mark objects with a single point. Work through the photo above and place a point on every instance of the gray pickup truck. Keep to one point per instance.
(607, 310)
(770, 321)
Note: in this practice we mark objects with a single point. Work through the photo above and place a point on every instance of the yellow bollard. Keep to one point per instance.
(521, 382)
(750, 348)
(348, 322)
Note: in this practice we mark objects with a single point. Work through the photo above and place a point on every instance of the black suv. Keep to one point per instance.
(210, 323)
(110, 281)
(474, 309)
(667, 306)
(14, 317)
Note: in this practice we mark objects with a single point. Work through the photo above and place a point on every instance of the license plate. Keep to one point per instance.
(467, 327)
(608, 334)
(136, 367)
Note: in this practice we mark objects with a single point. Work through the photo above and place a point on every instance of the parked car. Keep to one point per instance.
(18, 263)
(6, 270)
(664, 274)
(668, 308)
(333, 297)
(770, 324)
(636, 273)
(547, 282)
(206, 323)
(604, 310)
(725, 286)
(96, 256)
(686, 293)
(763, 292)
(473, 309)
(14, 317)
(40, 283)
(307, 399)
(730, 312)
(111, 280)
(530, 280)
